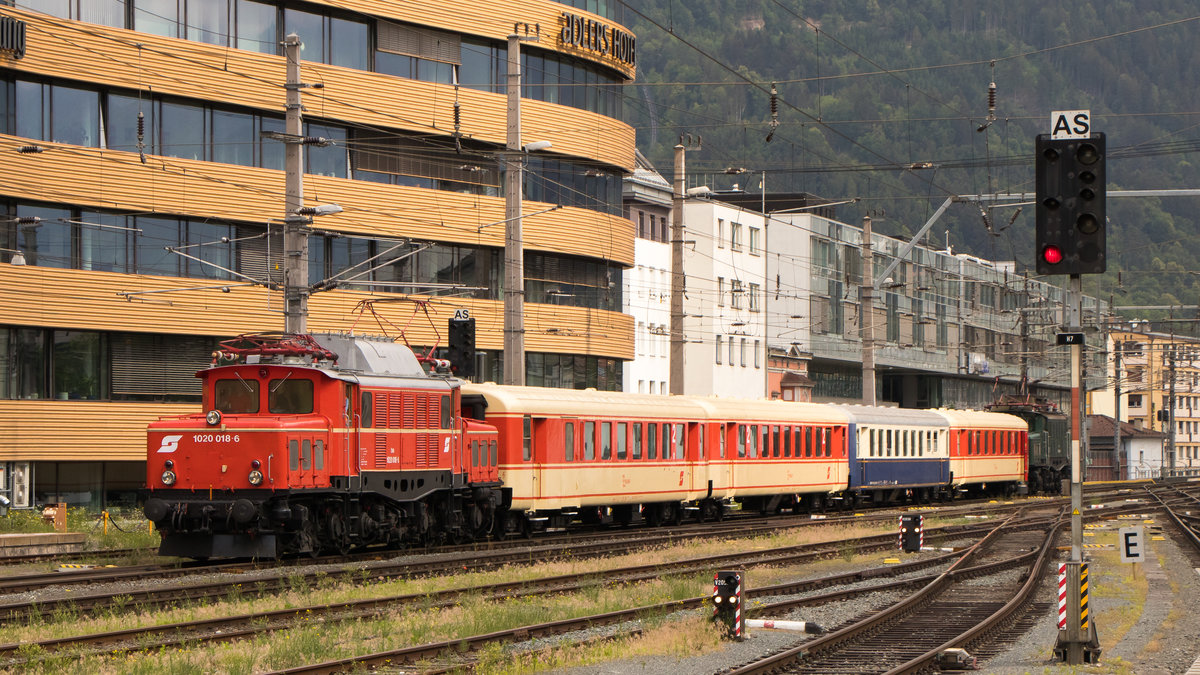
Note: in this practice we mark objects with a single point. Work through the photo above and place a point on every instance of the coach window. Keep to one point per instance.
(721, 431)
(667, 438)
(622, 436)
(680, 441)
(589, 440)
(741, 440)
(752, 440)
(776, 441)
(702, 447)
(290, 396)
(826, 440)
(652, 441)
(637, 440)
(236, 396)
(569, 441)
(787, 441)
(606, 440)
(526, 438)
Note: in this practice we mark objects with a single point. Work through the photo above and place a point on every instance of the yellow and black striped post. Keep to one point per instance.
(1083, 597)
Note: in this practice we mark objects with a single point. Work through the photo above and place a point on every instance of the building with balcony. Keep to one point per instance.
(142, 200)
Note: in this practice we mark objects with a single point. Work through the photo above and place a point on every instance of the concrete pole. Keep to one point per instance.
(295, 235)
(866, 315)
(678, 281)
(1074, 615)
(766, 291)
(514, 253)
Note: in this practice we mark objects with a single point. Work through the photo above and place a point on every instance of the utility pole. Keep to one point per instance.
(678, 281)
(295, 234)
(1023, 317)
(514, 247)
(1171, 411)
(866, 318)
(1117, 405)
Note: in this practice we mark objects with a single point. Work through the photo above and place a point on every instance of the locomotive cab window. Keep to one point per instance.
(290, 396)
(365, 409)
(236, 396)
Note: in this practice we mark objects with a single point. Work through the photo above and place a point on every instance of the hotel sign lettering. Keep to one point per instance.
(594, 36)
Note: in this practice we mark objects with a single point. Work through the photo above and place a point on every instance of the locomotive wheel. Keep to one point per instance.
(305, 538)
(339, 539)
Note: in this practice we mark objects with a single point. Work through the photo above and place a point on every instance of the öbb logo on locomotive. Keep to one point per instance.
(310, 443)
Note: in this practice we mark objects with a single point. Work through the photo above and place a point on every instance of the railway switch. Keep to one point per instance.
(727, 599)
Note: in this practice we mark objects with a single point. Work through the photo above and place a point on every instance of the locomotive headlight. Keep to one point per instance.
(213, 417)
(256, 477)
(168, 477)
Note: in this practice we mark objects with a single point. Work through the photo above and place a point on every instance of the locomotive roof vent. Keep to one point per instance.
(378, 356)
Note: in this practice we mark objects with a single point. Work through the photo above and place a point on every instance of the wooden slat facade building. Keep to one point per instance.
(126, 132)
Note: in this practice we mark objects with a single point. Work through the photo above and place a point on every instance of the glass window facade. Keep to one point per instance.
(194, 131)
(345, 40)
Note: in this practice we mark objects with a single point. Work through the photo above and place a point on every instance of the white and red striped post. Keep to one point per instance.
(1062, 596)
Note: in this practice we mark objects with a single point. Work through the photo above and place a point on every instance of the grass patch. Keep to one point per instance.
(127, 528)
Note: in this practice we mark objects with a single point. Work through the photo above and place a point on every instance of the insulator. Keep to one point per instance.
(992, 98)
(774, 103)
(28, 220)
(30, 149)
(457, 116)
(316, 140)
(141, 126)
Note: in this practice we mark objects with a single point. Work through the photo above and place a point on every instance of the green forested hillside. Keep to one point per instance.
(868, 88)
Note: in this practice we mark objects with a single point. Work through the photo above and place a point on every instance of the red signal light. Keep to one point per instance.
(1052, 254)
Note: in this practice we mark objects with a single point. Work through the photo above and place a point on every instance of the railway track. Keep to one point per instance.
(100, 555)
(909, 636)
(242, 626)
(744, 526)
(224, 629)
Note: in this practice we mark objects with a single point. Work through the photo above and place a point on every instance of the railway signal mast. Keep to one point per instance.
(1070, 237)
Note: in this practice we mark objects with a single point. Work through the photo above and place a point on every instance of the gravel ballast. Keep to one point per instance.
(1164, 640)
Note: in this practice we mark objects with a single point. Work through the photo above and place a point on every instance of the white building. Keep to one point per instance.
(647, 291)
(724, 326)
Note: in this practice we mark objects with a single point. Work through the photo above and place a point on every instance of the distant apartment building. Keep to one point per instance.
(647, 293)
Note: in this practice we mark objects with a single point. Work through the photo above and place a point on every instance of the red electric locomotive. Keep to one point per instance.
(307, 444)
